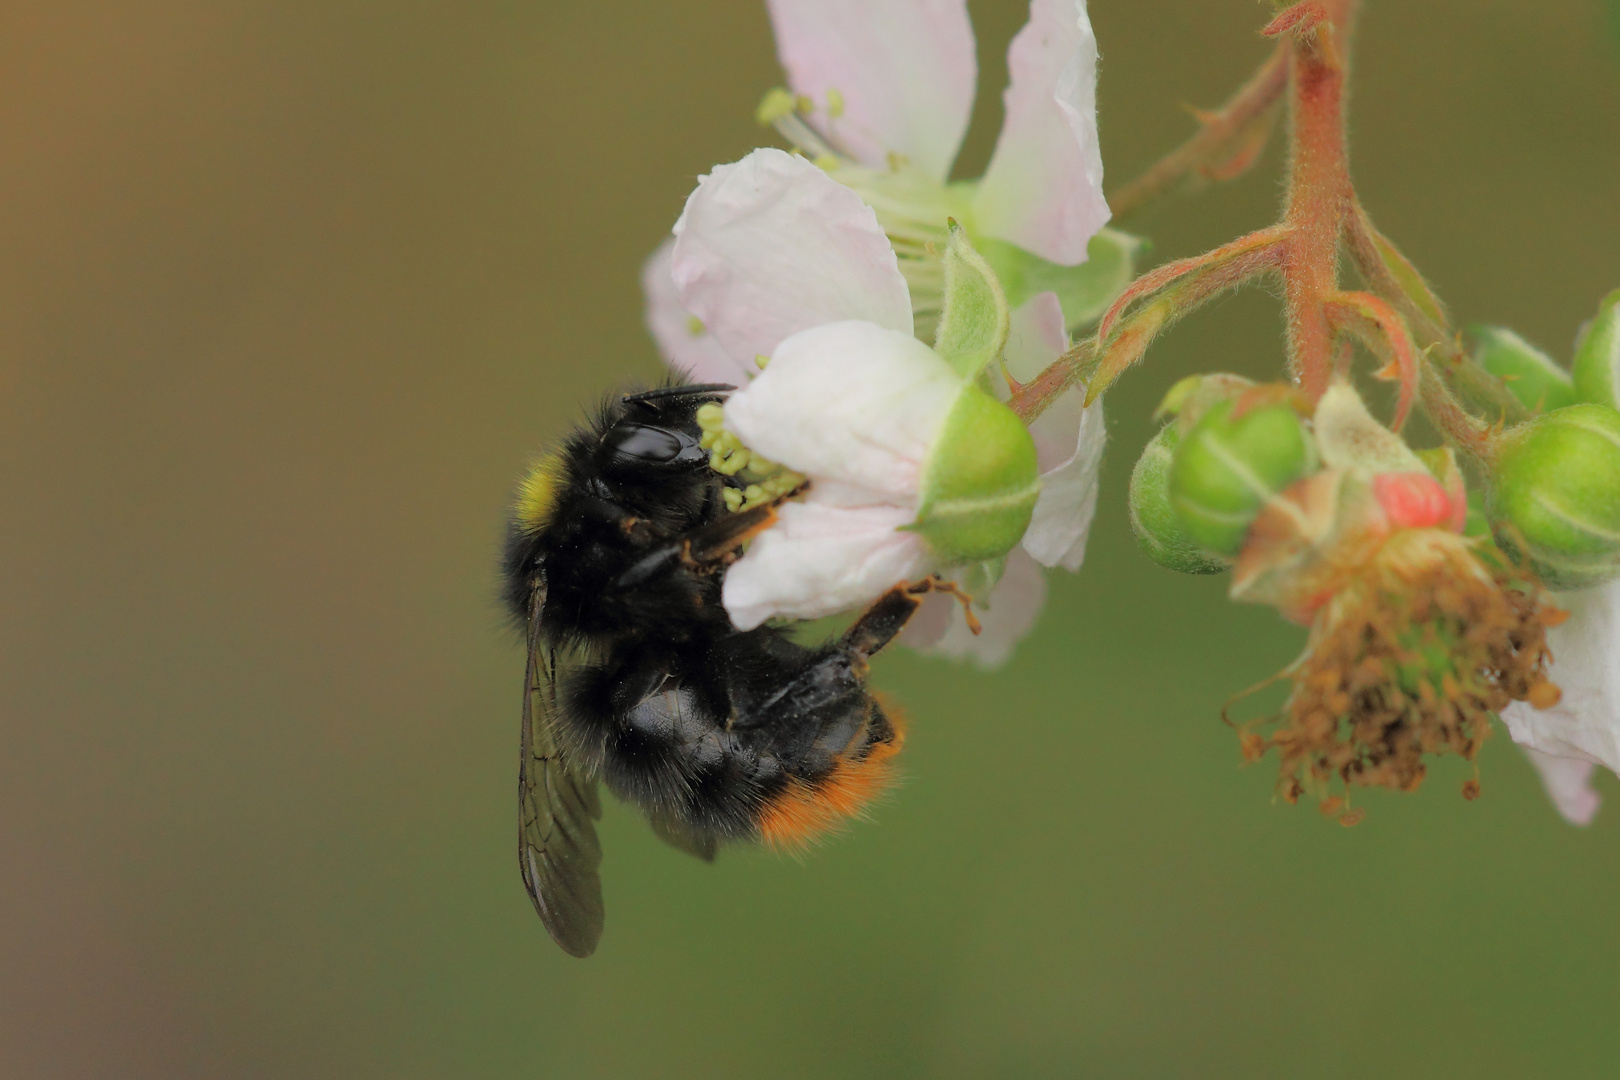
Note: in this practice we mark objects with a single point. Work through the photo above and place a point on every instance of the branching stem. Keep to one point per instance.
(1398, 319)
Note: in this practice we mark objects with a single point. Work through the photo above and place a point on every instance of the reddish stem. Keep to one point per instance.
(1222, 136)
(1319, 190)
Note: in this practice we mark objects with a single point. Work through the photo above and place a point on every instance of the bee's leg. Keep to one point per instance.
(704, 547)
(890, 613)
(950, 588)
(882, 621)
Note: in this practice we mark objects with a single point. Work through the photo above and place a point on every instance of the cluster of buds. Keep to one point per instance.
(1425, 620)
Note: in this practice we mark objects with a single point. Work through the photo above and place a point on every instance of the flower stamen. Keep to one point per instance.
(1411, 658)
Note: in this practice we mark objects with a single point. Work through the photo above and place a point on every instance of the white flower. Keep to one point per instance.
(1569, 785)
(881, 96)
(1584, 727)
(891, 89)
(780, 261)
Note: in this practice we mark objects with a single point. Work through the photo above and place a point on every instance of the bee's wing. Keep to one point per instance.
(557, 847)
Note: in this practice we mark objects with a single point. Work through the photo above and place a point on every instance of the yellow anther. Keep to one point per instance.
(761, 360)
(695, 327)
(727, 461)
(804, 105)
(827, 162)
(835, 103)
(733, 498)
(777, 104)
(711, 417)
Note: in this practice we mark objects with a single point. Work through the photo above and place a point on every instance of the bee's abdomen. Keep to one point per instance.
(784, 767)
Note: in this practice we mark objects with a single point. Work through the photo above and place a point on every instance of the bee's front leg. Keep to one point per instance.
(707, 547)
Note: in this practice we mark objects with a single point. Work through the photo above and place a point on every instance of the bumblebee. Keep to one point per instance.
(637, 680)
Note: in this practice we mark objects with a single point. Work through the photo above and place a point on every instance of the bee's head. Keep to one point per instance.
(648, 453)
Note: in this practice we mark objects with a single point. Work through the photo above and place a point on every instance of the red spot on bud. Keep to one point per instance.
(1413, 500)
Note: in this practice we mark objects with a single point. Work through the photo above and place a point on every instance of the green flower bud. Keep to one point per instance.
(1555, 495)
(980, 484)
(1530, 374)
(1225, 470)
(1158, 527)
(1597, 357)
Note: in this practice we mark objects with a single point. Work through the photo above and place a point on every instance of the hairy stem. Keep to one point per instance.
(1319, 188)
(1222, 132)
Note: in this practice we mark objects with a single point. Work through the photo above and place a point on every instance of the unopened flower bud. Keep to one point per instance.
(1529, 374)
(1597, 357)
(1227, 468)
(1158, 527)
(1555, 496)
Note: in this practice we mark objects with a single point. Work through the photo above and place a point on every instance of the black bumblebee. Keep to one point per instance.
(637, 678)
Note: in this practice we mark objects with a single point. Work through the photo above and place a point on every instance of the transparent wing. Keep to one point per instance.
(557, 846)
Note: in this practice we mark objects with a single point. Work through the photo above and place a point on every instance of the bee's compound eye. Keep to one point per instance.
(645, 443)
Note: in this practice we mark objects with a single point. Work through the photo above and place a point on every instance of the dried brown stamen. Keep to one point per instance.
(1409, 659)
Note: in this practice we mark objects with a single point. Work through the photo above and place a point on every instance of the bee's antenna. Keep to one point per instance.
(663, 393)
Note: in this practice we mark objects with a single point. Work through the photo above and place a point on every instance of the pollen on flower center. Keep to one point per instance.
(1410, 658)
(764, 480)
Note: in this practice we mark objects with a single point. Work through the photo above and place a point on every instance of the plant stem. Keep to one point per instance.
(1213, 142)
(1318, 195)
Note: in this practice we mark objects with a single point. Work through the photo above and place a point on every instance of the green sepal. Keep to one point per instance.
(1189, 398)
(980, 484)
(973, 326)
(1555, 495)
(1225, 470)
(1159, 529)
(1085, 291)
(1597, 357)
(1529, 374)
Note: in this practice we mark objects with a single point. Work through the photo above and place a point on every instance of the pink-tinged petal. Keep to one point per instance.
(1569, 785)
(1585, 724)
(940, 629)
(1069, 441)
(818, 560)
(771, 245)
(1068, 438)
(686, 344)
(905, 70)
(849, 402)
(1036, 335)
(1043, 188)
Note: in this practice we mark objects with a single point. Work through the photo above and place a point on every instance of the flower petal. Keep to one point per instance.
(849, 402)
(1043, 188)
(1585, 724)
(1068, 438)
(905, 70)
(818, 560)
(686, 344)
(1569, 785)
(771, 245)
(1009, 613)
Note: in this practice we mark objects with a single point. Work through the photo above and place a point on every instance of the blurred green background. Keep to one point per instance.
(290, 290)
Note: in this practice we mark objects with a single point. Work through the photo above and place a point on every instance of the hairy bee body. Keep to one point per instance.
(614, 564)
